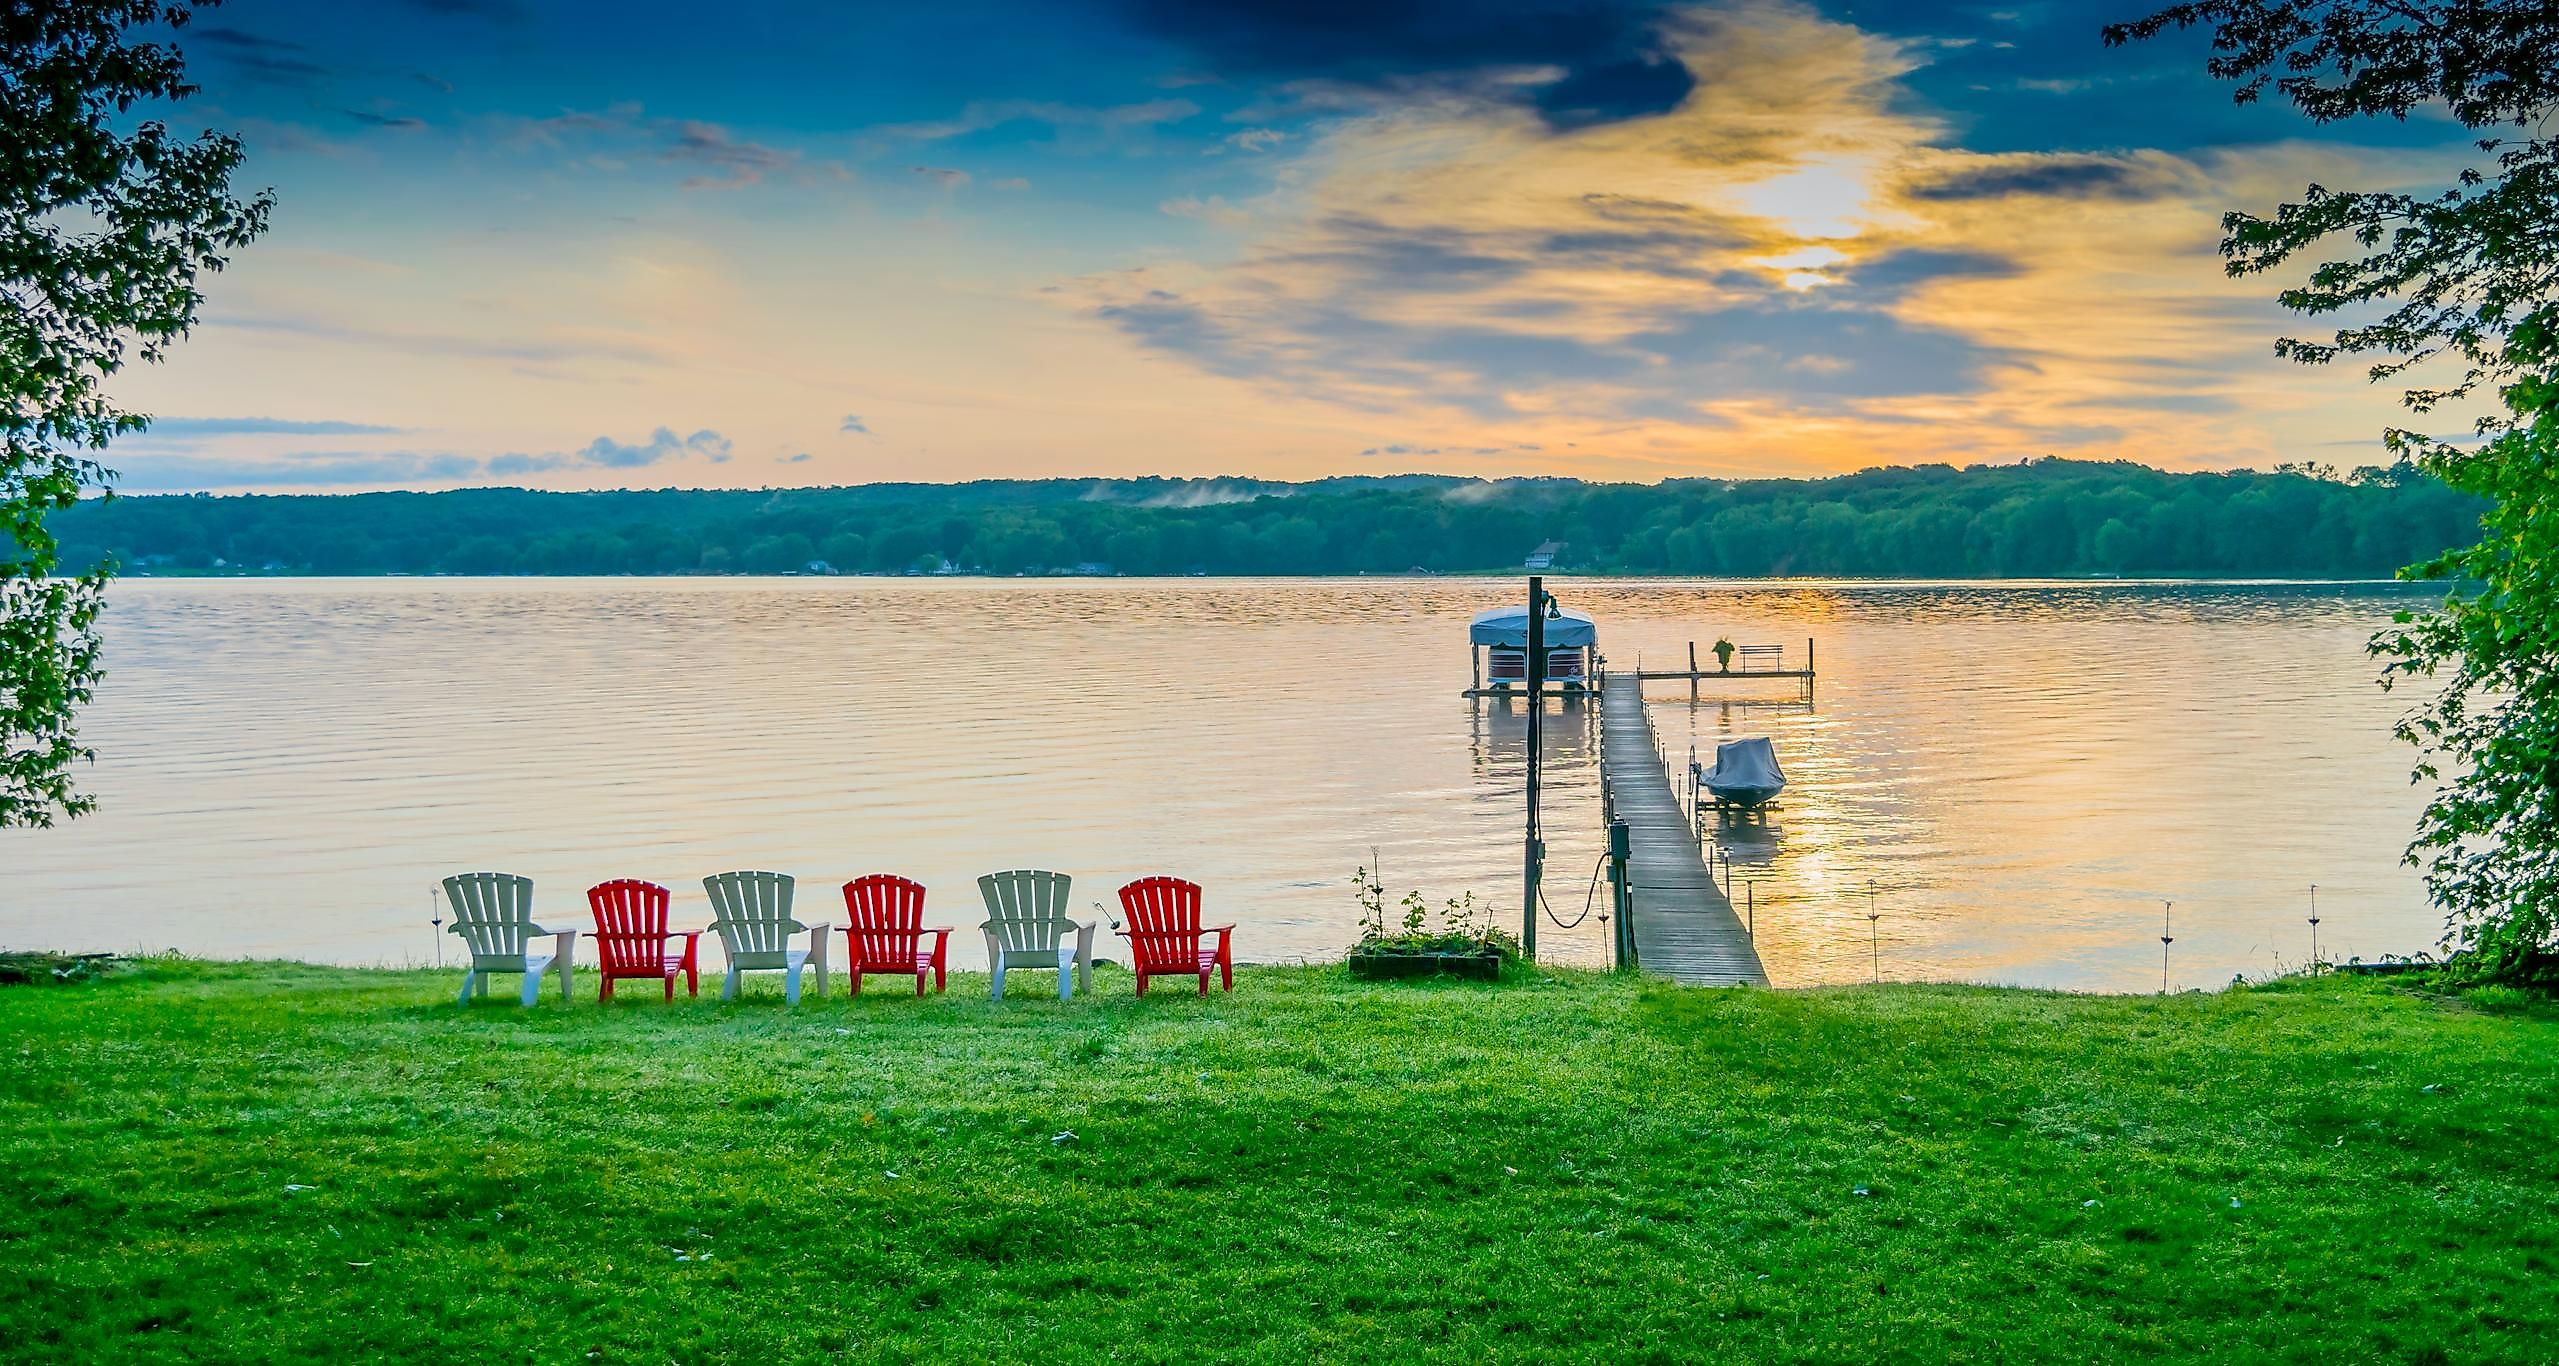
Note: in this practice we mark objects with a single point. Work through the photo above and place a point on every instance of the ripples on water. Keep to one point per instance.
(2023, 772)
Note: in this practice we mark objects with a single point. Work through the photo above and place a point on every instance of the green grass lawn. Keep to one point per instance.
(276, 1162)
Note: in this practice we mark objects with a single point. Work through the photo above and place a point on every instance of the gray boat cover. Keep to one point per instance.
(1509, 626)
(1744, 765)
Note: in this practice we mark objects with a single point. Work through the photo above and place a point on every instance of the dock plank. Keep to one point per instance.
(1685, 929)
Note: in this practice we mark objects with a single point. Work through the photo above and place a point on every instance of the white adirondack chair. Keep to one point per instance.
(752, 914)
(1027, 927)
(493, 912)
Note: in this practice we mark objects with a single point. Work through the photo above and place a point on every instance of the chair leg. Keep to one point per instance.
(484, 986)
(670, 988)
(1227, 970)
(1065, 971)
(856, 972)
(1141, 984)
(1203, 982)
(530, 991)
(728, 992)
(605, 992)
(999, 976)
(692, 983)
(467, 975)
(791, 986)
(919, 983)
(941, 977)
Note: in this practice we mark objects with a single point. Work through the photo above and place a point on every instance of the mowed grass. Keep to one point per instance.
(278, 1162)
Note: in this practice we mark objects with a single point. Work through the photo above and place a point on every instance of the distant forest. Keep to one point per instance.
(2044, 518)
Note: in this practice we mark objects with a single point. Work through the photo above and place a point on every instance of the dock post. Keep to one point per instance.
(1621, 846)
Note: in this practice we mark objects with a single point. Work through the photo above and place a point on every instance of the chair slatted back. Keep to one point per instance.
(887, 914)
(752, 913)
(493, 913)
(630, 923)
(1026, 909)
(1163, 923)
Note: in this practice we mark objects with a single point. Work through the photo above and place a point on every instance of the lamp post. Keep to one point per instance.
(1533, 856)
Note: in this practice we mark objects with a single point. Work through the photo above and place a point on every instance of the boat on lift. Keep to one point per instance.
(1498, 645)
(1745, 773)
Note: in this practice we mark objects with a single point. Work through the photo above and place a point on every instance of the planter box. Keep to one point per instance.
(1482, 967)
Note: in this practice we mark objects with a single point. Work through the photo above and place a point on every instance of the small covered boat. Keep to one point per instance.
(1745, 773)
(1572, 650)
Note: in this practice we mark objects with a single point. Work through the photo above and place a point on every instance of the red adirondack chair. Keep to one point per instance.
(888, 929)
(630, 935)
(1164, 933)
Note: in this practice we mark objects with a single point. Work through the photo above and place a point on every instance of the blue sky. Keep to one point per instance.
(580, 245)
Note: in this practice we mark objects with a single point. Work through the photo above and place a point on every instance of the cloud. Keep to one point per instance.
(2055, 177)
(732, 161)
(941, 175)
(1574, 62)
(1213, 209)
(662, 445)
(1088, 124)
(723, 160)
(1250, 140)
(352, 468)
(171, 474)
(1796, 268)
(383, 120)
(800, 459)
(853, 423)
(186, 427)
(258, 60)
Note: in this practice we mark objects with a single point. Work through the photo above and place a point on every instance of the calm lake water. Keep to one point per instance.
(2021, 772)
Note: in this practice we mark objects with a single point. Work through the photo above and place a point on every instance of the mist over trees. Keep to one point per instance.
(2048, 517)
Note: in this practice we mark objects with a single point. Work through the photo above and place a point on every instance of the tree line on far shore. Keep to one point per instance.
(2043, 518)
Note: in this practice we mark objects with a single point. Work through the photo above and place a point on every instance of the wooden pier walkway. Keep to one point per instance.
(1685, 929)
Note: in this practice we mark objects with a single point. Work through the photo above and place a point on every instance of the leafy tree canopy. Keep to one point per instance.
(2467, 276)
(106, 224)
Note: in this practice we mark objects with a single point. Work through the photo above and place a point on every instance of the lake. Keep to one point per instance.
(2020, 773)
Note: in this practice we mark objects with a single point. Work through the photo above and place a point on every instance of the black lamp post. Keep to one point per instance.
(1541, 606)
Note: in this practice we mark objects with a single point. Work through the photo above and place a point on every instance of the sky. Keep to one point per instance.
(564, 244)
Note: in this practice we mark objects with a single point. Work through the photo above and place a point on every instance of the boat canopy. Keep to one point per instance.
(1509, 626)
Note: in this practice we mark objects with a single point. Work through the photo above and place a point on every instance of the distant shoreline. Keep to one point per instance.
(1465, 576)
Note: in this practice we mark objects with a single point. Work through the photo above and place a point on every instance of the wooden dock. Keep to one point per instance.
(1759, 663)
(1685, 928)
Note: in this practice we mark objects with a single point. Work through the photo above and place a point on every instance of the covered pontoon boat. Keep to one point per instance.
(1745, 773)
(1572, 650)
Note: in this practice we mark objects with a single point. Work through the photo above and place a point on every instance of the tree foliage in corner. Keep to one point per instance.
(2465, 284)
(106, 222)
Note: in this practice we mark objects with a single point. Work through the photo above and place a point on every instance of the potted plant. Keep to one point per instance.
(1724, 654)
(1464, 945)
